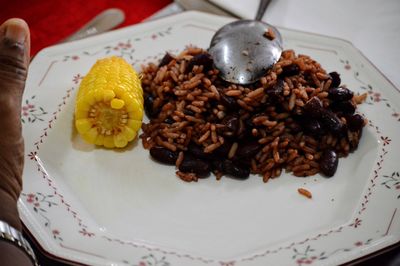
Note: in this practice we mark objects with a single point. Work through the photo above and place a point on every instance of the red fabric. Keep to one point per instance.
(51, 21)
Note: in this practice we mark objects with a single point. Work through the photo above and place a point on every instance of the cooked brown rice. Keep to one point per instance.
(189, 103)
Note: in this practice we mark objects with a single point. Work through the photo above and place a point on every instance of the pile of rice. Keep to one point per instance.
(189, 104)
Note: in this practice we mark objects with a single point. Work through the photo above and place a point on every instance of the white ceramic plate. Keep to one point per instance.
(107, 207)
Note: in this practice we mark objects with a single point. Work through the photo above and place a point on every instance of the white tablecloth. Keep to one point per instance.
(373, 26)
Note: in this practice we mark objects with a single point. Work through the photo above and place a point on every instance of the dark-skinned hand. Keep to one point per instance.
(14, 62)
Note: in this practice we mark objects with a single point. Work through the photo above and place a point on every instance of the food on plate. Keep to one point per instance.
(305, 192)
(298, 118)
(269, 34)
(109, 104)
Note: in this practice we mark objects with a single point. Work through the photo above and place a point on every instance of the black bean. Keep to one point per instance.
(313, 127)
(198, 151)
(164, 155)
(229, 102)
(231, 122)
(355, 122)
(243, 162)
(343, 108)
(189, 112)
(263, 106)
(343, 132)
(165, 60)
(309, 79)
(290, 70)
(313, 107)
(248, 149)
(329, 162)
(217, 165)
(203, 59)
(194, 165)
(275, 92)
(235, 171)
(169, 120)
(294, 127)
(249, 126)
(148, 106)
(335, 77)
(331, 121)
(340, 94)
(223, 150)
(249, 122)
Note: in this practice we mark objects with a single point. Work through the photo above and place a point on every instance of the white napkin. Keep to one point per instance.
(373, 26)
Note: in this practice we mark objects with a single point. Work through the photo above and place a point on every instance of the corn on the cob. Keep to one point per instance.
(109, 104)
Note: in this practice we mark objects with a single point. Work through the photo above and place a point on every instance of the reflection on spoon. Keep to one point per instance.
(243, 50)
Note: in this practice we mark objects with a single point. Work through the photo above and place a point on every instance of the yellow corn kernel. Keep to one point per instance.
(136, 114)
(81, 114)
(109, 142)
(99, 139)
(134, 124)
(117, 103)
(108, 95)
(129, 133)
(109, 104)
(120, 140)
(90, 135)
(83, 125)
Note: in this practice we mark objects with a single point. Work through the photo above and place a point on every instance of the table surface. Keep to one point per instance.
(372, 26)
(44, 34)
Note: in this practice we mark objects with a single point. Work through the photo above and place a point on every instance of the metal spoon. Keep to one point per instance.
(242, 50)
(104, 21)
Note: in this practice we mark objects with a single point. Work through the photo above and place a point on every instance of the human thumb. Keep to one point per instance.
(14, 57)
(14, 61)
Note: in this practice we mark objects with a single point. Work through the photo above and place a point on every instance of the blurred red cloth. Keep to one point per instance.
(51, 21)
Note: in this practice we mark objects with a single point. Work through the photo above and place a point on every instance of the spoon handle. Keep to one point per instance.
(261, 9)
(103, 22)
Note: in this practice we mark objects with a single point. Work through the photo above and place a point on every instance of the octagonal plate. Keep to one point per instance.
(106, 207)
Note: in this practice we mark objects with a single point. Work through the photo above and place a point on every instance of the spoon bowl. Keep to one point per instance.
(245, 49)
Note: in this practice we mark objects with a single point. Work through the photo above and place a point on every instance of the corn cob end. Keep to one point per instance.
(109, 107)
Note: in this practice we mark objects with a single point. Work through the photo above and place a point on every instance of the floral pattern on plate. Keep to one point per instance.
(51, 207)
